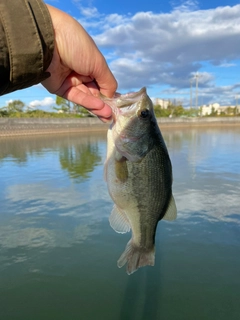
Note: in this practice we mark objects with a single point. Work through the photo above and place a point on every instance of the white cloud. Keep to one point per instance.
(46, 102)
(149, 49)
(228, 65)
(86, 9)
(89, 12)
(189, 5)
(178, 37)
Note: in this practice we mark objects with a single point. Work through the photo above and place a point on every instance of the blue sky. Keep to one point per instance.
(160, 45)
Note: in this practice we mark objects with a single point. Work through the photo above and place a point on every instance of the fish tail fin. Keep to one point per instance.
(136, 257)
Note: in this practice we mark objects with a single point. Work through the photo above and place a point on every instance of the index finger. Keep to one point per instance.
(89, 102)
(105, 79)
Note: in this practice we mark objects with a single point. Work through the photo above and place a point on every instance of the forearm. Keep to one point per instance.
(26, 43)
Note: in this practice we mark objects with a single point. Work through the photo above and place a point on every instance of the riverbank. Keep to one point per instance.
(35, 126)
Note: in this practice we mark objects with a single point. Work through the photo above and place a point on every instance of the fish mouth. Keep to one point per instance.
(126, 100)
(128, 104)
(125, 104)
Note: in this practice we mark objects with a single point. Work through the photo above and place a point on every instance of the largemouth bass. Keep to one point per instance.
(138, 172)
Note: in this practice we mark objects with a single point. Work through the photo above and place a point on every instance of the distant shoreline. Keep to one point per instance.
(36, 126)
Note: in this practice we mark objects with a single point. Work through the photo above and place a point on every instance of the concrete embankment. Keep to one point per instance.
(200, 122)
(32, 126)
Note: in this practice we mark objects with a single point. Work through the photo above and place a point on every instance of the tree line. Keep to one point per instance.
(64, 108)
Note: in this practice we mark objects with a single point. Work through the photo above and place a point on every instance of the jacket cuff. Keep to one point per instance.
(26, 43)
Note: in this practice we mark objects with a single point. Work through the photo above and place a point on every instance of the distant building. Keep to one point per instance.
(206, 110)
(161, 102)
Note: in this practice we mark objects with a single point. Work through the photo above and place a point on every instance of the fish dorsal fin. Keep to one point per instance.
(171, 213)
(119, 221)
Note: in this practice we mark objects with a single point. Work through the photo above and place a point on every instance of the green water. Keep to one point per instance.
(58, 253)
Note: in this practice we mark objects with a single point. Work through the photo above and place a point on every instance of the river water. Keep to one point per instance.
(58, 252)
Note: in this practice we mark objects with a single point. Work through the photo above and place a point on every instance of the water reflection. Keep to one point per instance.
(42, 192)
(56, 245)
(207, 173)
(79, 160)
(20, 148)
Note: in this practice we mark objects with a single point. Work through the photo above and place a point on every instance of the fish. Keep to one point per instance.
(138, 173)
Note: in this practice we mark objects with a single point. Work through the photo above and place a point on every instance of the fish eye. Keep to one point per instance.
(144, 113)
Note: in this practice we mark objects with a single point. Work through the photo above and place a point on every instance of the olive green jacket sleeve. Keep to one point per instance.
(26, 43)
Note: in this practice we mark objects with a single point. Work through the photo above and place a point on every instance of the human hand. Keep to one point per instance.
(78, 70)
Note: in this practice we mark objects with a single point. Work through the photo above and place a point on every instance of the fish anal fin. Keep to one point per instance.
(119, 221)
(136, 257)
(171, 213)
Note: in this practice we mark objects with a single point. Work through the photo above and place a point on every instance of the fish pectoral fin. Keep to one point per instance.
(171, 213)
(119, 221)
(121, 169)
